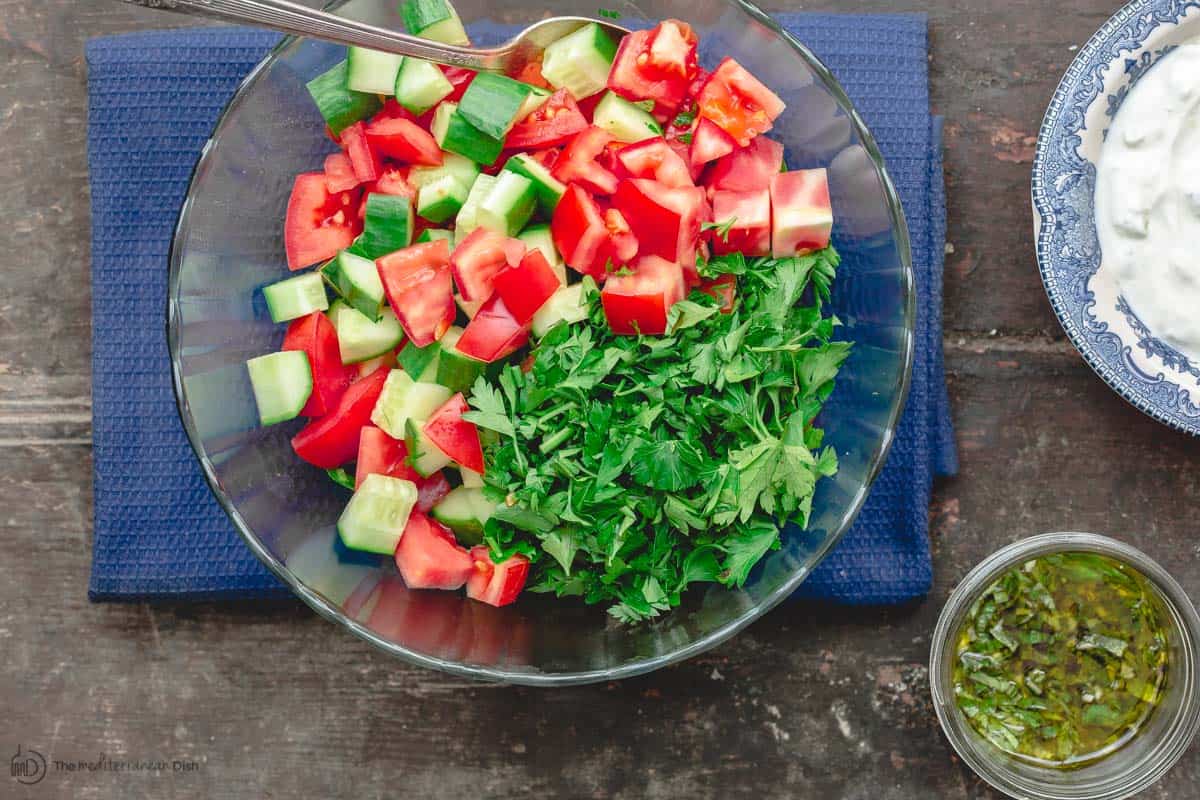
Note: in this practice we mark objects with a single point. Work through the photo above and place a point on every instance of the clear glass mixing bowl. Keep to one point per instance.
(228, 245)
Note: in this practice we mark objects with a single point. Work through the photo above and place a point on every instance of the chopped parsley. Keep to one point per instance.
(721, 228)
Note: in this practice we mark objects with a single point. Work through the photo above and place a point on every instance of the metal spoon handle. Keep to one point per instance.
(293, 18)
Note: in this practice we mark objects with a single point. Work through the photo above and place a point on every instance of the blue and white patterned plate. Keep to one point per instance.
(1148, 373)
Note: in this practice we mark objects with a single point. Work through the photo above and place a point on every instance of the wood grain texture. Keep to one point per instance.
(810, 702)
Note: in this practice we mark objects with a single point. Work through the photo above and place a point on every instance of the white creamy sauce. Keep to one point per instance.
(1148, 199)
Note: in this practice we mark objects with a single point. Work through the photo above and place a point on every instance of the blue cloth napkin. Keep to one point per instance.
(153, 101)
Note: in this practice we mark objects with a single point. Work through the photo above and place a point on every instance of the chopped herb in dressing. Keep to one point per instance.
(1063, 659)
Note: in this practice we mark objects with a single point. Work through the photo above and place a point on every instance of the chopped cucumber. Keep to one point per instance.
(420, 362)
(433, 234)
(469, 307)
(580, 62)
(375, 518)
(625, 121)
(549, 189)
(388, 226)
(282, 383)
(536, 99)
(468, 218)
(419, 85)
(565, 305)
(356, 280)
(403, 399)
(340, 106)
(538, 237)
(492, 102)
(452, 132)
(296, 297)
(470, 478)
(442, 199)
(465, 511)
(509, 204)
(360, 339)
(426, 457)
(435, 20)
(372, 71)
(457, 372)
(453, 164)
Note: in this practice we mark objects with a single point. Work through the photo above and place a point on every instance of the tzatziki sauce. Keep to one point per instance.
(1148, 199)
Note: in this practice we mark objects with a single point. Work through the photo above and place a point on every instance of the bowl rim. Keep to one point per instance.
(1061, 104)
(533, 677)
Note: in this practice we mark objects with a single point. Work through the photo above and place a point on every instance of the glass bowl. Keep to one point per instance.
(1135, 766)
(228, 244)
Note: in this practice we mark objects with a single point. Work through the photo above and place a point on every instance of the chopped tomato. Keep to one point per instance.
(417, 283)
(514, 252)
(738, 102)
(380, 454)
(392, 110)
(526, 287)
(493, 333)
(366, 162)
(748, 168)
(639, 302)
(319, 223)
(558, 119)
(316, 336)
(405, 141)
(460, 79)
(393, 181)
(429, 557)
(431, 490)
(622, 244)
(655, 159)
(802, 216)
(723, 289)
(531, 73)
(476, 261)
(339, 173)
(709, 143)
(454, 436)
(547, 157)
(496, 584)
(658, 64)
(748, 217)
(332, 440)
(577, 162)
(666, 221)
(579, 232)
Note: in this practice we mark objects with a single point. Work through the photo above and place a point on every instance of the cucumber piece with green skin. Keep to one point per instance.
(403, 399)
(625, 121)
(465, 511)
(388, 226)
(419, 85)
(457, 372)
(296, 297)
(468, 218)
(360, 339)
(538, 237)
(492, 102)
(435, 20)
(374, 519)
(424, 456)
(340, 106)
(282, 383)
(442, 199)
(433, 234)
(580, 62)
(356, 280)
(549, 189)
(565, 305)
(453, 164)
(509, 204)
(420, 362)
(536, 99)
(452, 132)
(372, 71)
(470, 478)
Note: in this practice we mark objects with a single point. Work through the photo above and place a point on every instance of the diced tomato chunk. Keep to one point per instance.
(460, 78)
(493, 333)
(639, 302)
(801, 213)
(392, 110)
(428, 556)
(339, 173)
(431, 490)
(393, 181)
(405, 141)
(526, 287)
(319, 224)
(316, 336)
(666, 221)
(531, 73)
(496, 584)
(622, 244)
(577, 162)
(380, 454)
(579, 232)
(709, 143)
(332, 440)
(723, 289)
(476, 261)
(454, 436)
(738, 103)
(417, 283)
(658, 64)
(747, 169)
(556, 121)
(366, 162)
(748, 216)
(657, 160)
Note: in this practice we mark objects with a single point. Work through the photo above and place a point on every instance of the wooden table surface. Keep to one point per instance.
(809, 702)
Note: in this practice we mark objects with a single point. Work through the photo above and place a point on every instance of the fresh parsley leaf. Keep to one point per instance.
(341, 477)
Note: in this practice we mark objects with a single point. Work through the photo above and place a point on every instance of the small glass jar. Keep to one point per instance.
(1129, 770)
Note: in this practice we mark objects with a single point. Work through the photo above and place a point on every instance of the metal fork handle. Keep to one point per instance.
(293, 18)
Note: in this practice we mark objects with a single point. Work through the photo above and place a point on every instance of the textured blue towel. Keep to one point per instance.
(154, 99)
